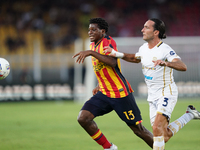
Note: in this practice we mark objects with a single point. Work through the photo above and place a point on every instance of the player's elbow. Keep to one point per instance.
(184, 68)
(135, 60)
(113, 64)
(132, 60)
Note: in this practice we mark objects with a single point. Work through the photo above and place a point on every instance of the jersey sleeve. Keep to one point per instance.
(108, 41)
(171, 54)
(138, 54)
(113, 45)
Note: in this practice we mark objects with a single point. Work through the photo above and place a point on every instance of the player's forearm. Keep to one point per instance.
(125, 56)
(130, 58)
(177, 65)
(111, 61)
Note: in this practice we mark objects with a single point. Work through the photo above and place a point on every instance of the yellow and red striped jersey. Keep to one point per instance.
(111, 81)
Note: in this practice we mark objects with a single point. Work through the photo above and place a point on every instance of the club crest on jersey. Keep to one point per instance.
(172, 52)
(154, 58)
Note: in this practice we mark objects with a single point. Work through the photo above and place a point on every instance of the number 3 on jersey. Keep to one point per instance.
(165, 101)
(129, 115)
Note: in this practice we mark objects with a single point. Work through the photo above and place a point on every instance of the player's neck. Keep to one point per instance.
(99, 40)
(153, 43)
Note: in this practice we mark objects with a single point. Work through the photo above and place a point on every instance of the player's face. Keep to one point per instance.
(95, 34)
(148, 31)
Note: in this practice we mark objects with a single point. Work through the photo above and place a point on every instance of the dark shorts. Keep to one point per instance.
(125, 107)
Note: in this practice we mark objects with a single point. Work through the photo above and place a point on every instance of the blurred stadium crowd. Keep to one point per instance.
(60, 22)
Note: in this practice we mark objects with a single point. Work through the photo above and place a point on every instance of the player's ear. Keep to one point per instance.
(103, 31)
(156, 32)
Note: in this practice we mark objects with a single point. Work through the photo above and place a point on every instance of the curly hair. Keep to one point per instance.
(160, 26)
(102, 24)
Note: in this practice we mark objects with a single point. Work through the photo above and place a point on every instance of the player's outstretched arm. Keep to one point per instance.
(176, 64)
(111, 61)
(125, 56)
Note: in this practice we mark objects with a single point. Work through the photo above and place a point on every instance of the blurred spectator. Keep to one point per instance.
(38, 23)
(10, 43)
(153, 13)
(25, 77)
(14, 43)
(125, 18)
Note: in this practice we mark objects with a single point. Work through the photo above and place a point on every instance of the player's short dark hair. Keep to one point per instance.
(160, 26)
(102, 24)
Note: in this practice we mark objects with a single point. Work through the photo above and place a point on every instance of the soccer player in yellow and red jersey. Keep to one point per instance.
(113, 91)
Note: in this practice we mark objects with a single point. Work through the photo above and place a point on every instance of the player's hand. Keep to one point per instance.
(160, 63)
(82, 55)
(108, 49)
(95, 90)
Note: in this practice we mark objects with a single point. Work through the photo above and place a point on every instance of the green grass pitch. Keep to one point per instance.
(52, 125)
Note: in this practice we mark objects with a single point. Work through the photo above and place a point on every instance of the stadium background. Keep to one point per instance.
(39, 37)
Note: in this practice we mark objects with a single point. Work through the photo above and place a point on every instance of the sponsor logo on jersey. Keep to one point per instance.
(148, 77)
(149, 68)
(120, 90)
(99, 66)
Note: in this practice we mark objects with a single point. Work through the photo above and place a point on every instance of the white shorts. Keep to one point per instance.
(164, 105)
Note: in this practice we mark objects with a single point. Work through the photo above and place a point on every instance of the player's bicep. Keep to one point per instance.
(176, 60)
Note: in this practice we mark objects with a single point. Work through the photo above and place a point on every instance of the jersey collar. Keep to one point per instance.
(99, 41)
(159, 43)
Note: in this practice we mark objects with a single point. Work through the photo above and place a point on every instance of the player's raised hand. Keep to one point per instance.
(82, 55)
(159, 62)
(108, 49)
